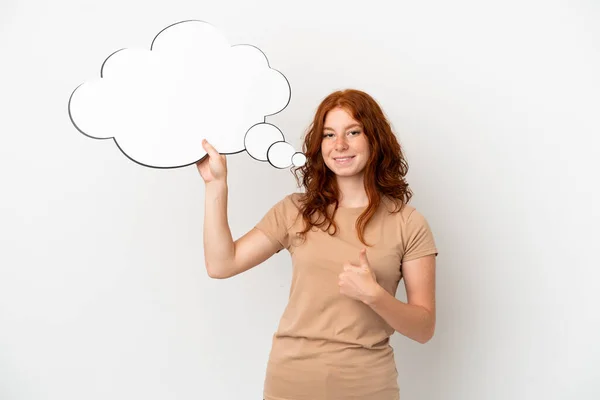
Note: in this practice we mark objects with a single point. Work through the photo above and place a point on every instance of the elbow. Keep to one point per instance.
(425, 338)
(214, 274)
(427, 334)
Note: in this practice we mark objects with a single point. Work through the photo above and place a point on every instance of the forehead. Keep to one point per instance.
(339, 118)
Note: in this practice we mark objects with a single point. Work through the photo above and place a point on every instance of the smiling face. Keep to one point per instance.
(344, 147)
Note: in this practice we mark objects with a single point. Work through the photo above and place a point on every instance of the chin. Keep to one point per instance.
(347, 173)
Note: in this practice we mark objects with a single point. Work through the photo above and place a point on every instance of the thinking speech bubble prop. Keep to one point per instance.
(158, 104)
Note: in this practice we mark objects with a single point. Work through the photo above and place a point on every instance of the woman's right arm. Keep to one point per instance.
(223, 257)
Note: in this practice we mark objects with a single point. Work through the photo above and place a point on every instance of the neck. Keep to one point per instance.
(352, 192)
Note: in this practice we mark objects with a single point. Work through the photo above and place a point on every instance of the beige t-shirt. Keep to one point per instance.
(328, 345)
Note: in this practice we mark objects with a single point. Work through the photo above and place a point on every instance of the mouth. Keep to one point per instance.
(343, 160)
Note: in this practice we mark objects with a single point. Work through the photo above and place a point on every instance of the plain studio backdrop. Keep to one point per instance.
(103, 288)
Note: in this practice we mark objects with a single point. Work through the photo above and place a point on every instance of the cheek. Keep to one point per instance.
(366, 148)
(362, 148)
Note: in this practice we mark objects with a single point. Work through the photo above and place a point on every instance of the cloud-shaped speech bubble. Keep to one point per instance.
(158, 104)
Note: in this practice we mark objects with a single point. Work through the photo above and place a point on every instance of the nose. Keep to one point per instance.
(340, 143)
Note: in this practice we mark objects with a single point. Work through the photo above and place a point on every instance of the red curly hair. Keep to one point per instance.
(384, 172)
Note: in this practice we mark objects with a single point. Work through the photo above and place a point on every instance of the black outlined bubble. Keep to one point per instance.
(159, 104)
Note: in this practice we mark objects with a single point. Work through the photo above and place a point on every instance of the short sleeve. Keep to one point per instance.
(277, 222)
(417, 237)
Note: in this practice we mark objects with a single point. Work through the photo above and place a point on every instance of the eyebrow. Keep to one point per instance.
(348, 127)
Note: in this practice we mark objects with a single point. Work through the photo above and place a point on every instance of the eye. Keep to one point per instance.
(326, 135)
(354, 133)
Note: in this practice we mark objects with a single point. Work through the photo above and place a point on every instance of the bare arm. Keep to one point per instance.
(416, 318)
(223, 257)
(219, 248)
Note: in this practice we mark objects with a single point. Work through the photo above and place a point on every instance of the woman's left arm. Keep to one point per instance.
(416, 318)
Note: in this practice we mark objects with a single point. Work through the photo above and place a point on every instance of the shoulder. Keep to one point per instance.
(296, 198)
(292, 200)
(406, 217)
(402, 213)
(412, 219)
(290, 204)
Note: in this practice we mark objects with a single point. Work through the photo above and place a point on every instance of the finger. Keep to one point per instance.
(364, 261)
(209, 148)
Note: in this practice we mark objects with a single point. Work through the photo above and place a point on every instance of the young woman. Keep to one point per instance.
(333, 338)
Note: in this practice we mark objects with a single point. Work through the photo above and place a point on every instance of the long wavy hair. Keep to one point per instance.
(385, 170)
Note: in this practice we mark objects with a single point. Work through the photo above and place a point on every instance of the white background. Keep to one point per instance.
(103, 291)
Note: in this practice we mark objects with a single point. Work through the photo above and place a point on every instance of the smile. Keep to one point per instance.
(343, 160)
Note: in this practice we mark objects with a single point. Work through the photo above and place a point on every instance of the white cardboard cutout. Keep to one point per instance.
(158, 104)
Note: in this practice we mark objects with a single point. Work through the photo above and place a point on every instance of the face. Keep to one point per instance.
(344, 147)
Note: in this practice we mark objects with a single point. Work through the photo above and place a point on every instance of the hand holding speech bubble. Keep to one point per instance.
(159, 104)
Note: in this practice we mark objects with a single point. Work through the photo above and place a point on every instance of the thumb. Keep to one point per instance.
(364, 261)
(209, 149)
